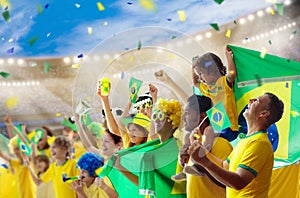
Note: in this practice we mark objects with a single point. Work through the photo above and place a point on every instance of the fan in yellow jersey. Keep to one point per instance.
(26, 186)
(86, 187)
(60, 150)
(248, 169)
(209, 74)
(194, 114)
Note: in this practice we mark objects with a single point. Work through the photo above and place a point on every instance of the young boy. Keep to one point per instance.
(86, 187)
(60, 151)
(25, 184)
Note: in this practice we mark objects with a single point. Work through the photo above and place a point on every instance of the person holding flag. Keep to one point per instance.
(209, 74)
(148, 167)
(196, 122)
(247, 170)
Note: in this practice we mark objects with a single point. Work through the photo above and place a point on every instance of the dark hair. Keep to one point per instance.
(275, 107)
(48, 133)
(208, 59)
(141, 129)
(42, 158)
(199, 104)
(116, 139)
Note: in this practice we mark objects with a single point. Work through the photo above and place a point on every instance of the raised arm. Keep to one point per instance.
(3, 156)
(35, 178)
(164, 77)
(111, 122)
(8, 122)
(100, 182)
(84, 138)
(133, 178)
(231, 74)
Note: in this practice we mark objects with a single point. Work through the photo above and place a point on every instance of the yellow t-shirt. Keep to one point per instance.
(255, 154)
(125, 139)
(8, 184)
(221, 91)
(26, 185)
(94, 191)
(45, 190)
(46, 152)
(78, 150)
(55, 172)
(202, 186)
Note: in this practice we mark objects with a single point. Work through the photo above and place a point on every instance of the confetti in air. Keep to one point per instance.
(90, 30)
(100, 6)
(139, 45)
(75, 66)
(215, 26)
(228, 33)
(4, 74)
(10, 51)
(219, 1)
(46, 67)
(148, 5)
(263, 52)
(181, 15)
(279, 7)
(33, 40)
(11, 102)
(40, 9)
(6, 15)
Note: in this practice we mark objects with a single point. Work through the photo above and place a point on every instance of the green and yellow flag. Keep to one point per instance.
(134, 88)
(24, 147)
(4, 141)
(153, 163)
(280, 76)
(218, 117)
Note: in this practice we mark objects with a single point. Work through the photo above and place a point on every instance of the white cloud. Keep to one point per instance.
(199, 16)
(18, 26)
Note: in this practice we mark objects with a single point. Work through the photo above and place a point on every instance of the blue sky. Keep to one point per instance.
(62, 28)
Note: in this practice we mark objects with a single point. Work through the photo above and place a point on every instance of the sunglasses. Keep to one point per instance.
(159, 115)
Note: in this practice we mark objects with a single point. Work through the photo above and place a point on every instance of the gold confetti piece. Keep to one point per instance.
(58, 115)
(75, 66)
(148, 5)
(181, 15)
(131, 58)
(228, 33)
(105, 23)
(272, 1)
(272, 11)
(90, 30)
(11, 102)
(100, 6)
(171, 56)
(88, 99)
(294, 113)
(263, 52)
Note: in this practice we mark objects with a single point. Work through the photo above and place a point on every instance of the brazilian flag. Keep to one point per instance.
(255, 76)
(134, 88)
(38, 134)
(4, 141)
(218, 117)
(153, 163)
(24, 147)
